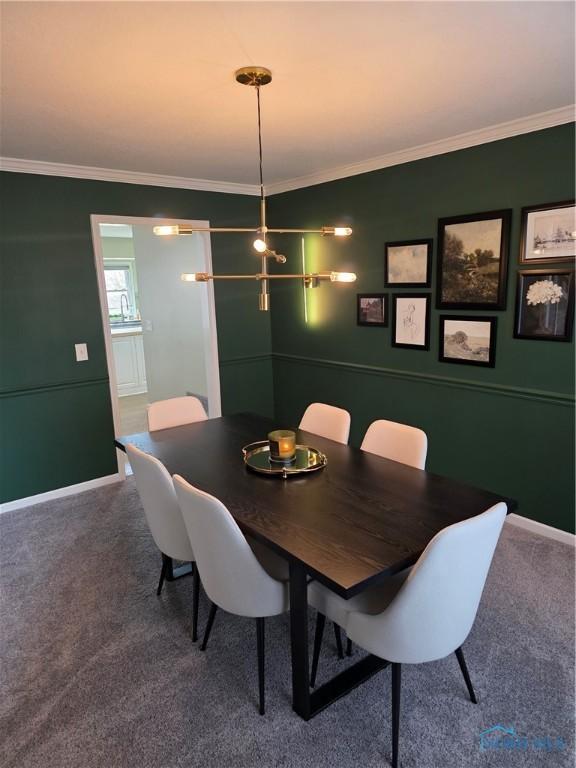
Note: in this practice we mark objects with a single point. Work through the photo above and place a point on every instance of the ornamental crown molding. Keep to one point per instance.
(474, 138)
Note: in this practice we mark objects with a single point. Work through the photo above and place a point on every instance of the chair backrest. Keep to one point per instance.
(327, 421)
(175, 412)
(230, 572)
(160, 504)
(434, 610)
(398, 442)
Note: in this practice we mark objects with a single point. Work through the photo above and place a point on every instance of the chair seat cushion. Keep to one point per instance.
(371, 601)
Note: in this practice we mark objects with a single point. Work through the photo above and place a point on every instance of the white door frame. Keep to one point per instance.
(212, 370)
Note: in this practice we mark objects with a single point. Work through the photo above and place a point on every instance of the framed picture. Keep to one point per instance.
(373, 309)
(411, 320)
(468, 340)
(408, 263)
(544, 304)
(548, 233)
(473, 261)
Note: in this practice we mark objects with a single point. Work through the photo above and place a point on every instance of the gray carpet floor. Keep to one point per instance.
(96, 671)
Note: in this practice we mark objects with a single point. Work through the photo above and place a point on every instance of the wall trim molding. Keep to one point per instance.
(506, 130)
(43, 168)
(552, 398)
(39, 389)
(247, 359)
(59, 493)
(536, 122)
(541, 529)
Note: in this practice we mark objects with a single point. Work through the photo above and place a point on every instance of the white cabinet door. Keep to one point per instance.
(129, 363)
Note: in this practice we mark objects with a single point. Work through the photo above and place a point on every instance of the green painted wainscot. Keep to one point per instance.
(509, 429)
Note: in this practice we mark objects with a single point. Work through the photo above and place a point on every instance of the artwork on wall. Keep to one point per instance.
(411, 320)
(408, 263)
(544, 304)
(473, 260)
(372, 309)
(548, 233)
(468, 340)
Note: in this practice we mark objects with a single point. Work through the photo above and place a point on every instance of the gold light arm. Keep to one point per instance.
(167, 230)
(335, 277)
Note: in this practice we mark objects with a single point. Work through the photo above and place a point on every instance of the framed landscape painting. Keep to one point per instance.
(473, 261)
(407, 263)
(411, 320)
(544, 304)
(548, 233)
(372, 309)
(468, 340)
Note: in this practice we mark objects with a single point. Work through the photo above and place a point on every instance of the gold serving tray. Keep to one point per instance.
(307, 459)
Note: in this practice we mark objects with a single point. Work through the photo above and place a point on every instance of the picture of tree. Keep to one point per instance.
(472, 261)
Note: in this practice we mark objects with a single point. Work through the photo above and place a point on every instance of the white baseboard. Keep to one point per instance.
(59, 493)
(541, 529)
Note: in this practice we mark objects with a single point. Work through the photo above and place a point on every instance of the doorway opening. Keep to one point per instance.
(161, 339)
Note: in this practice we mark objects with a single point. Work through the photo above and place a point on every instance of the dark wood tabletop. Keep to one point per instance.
(351, 524)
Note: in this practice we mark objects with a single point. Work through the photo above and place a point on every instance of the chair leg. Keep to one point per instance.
(320, 622)
(211, 615)
(260, 647)
(348, 647)
(396, 685)
(195, 601)
(464, 668)
(338, 636)
(166, 562)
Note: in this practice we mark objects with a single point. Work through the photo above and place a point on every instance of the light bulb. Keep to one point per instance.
(337, 231)
(195, 277)
(166, 229)
(260, 245)
(342, 277)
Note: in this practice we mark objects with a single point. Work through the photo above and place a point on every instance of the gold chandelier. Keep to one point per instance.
(256, 77)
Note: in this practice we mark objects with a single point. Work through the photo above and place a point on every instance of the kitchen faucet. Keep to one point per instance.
(122, 297)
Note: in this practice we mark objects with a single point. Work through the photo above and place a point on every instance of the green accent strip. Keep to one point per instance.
(553, 398)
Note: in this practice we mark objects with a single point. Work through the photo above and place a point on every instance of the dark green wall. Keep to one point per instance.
(509, 429)
(55, 416)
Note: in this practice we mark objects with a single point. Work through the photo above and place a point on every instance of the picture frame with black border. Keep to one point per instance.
(469, 274)
(542, 320)
(375, 306)
(411, 320)
(555, 216)
(421, 266)
(463, 340)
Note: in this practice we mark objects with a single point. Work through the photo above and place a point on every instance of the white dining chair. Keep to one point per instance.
(231, 574)
(164, 519)
(425, 613)
(175, 412)
(327, 421)
(399, 442)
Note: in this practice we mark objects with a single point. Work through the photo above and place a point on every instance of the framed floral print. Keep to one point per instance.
(544, 304)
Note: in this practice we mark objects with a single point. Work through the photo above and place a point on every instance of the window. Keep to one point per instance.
(120, 293)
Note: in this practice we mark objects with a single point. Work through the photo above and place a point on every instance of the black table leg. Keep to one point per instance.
(299, 640)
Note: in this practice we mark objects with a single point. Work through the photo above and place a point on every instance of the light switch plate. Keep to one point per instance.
(81, 352)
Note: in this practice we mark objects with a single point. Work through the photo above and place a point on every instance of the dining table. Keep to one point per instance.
(350, 525)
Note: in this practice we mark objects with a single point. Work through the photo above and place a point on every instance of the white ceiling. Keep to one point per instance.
(149, 86)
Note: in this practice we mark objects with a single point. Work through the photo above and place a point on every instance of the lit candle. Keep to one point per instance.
(282, 445)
